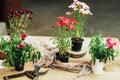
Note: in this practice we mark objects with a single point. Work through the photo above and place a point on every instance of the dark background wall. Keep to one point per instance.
(105, 18)
(5, 5)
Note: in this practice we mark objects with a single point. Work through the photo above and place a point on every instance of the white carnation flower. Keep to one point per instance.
(85, 6)
(74, 7)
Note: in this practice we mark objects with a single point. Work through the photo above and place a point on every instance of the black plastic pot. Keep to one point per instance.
(77, 44)
(64, 58)
(19, 64)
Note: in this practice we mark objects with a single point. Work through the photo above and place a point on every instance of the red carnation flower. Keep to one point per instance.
(66, 21)
(109, 43)
(108, 39)
(23, 36)
(110, 46)
(73, 21)
(72, 27)
(114, 43)
(20, 46)
(60, 23)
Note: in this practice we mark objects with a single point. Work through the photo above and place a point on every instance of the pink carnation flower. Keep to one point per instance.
(23, 36)
(110, 44)
(20, 46)
(69, 13)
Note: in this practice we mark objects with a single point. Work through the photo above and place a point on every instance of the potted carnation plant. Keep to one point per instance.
(18, 51)
(79, 11)
(15, 46)
(62, 40)
(101, 50)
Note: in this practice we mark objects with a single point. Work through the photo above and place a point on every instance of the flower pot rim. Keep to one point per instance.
(66, 55)
(79, 41)
(63, 58)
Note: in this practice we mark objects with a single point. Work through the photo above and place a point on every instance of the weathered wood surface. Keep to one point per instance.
(111, 69)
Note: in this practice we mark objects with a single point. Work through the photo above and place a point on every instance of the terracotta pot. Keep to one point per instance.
(97, 68)
(63, 58)
(76, 44)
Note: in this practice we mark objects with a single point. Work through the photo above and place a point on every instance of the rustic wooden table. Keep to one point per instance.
(111, 69)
